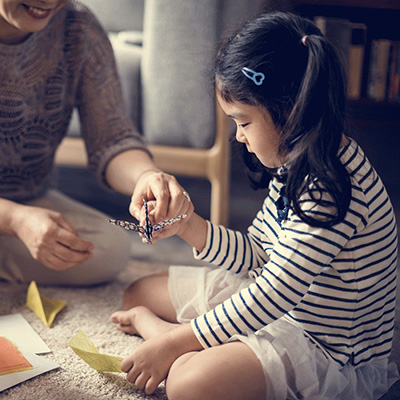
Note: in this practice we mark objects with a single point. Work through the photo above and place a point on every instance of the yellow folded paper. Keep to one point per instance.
(46, 309)
(85, 349)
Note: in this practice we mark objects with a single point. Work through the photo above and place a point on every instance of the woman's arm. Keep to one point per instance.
(134, 173)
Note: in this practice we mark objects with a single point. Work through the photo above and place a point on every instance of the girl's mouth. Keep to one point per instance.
(36, 12)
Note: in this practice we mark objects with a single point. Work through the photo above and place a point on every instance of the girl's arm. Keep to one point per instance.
(195, 232)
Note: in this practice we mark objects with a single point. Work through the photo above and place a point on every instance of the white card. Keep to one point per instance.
(17, 329)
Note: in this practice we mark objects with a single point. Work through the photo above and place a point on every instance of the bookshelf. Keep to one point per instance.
(373, 122)
(373, 47)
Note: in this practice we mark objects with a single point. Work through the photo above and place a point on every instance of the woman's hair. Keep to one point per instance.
(304, 90)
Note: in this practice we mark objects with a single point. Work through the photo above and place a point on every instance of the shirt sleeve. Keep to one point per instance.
(105, 125)
(300, 255)
(232, 250)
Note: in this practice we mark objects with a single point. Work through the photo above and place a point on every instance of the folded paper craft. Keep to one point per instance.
(85, 349)
(46, 309)
(11, 360)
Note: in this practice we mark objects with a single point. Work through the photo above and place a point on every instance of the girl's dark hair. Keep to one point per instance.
(304, 91)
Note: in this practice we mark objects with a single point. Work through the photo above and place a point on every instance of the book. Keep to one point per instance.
(394, 73)
(356, 60)
(378, 69)
(338, 32)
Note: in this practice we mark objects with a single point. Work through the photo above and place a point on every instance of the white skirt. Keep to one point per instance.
(294, 366)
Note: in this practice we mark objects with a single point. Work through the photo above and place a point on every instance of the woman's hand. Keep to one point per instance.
(49, 238)
(170, 200)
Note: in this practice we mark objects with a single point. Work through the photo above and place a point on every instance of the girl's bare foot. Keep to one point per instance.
(141, 321)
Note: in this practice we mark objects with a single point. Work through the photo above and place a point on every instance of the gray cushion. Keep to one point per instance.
(178, 46)
(128, 58)
(118, 15)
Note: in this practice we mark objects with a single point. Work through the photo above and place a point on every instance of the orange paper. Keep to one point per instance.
(11, 360)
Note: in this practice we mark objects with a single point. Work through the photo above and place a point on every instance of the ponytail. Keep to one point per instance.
(304, 91)
(313, 132)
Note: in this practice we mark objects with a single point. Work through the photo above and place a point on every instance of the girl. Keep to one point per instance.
(302, 306)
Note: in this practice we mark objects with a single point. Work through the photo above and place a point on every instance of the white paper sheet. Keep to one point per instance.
(17, 329)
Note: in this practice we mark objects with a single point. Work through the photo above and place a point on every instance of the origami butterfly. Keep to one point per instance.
(148, 229)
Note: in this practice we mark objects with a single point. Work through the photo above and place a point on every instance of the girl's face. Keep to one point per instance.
(19, 18)
(256, 130)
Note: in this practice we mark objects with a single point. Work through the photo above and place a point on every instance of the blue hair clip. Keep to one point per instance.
(256, 77)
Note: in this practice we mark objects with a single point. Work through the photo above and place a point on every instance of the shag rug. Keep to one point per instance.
(88, 309)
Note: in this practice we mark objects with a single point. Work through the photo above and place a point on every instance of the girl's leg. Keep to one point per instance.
(148, 307)
(151, 292)
(229, 371)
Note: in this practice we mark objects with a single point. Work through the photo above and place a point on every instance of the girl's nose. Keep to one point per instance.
(240, 137)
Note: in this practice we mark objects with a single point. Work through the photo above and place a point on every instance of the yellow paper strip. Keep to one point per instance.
(46, 309)
(85, 349)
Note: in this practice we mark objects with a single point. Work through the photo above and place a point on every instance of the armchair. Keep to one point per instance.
(164, 50)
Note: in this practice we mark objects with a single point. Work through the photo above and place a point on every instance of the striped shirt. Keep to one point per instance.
(338, 283)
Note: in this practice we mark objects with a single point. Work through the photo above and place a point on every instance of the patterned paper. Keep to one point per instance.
(148, 229)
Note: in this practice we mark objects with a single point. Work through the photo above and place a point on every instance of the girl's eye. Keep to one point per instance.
(244, 125)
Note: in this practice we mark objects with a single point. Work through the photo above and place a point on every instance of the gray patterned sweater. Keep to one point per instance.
(68, 64)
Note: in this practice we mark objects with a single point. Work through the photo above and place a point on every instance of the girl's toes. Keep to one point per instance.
(115, 317)
(127, 329)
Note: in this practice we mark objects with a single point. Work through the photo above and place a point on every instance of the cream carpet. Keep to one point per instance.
(88, 309)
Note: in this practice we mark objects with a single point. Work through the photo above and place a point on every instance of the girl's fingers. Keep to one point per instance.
(151, 385)
(126, 364)
(141, 380)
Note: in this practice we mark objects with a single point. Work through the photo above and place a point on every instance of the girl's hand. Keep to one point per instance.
(170, 200)
(49, 238)
(150, 363)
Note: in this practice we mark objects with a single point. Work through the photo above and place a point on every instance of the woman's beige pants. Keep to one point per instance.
(111, 247)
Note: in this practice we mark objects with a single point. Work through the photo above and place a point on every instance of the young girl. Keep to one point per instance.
(302, 306)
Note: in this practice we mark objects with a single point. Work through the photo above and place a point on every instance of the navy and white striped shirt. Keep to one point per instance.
(338, 283)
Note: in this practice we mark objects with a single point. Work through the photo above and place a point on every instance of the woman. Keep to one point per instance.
(55, 56)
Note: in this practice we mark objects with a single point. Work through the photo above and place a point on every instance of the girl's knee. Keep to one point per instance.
(132, 295)
(186, 380)
(145, 291)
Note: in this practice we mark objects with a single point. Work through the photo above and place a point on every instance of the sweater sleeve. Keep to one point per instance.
(105, 126)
